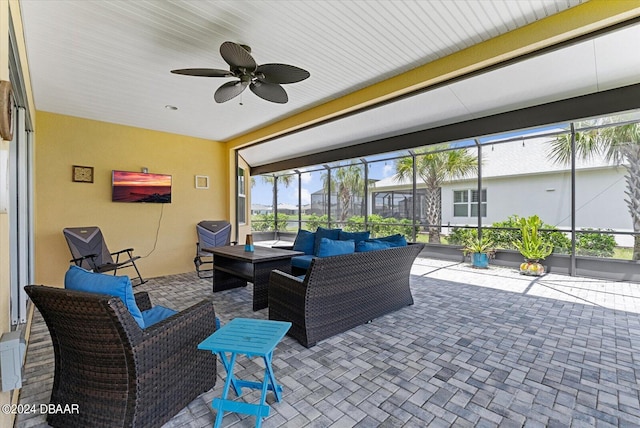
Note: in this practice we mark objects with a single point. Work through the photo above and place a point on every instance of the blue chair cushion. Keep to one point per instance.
(80, 279)
(321, 232)
(302, 262)
(395, 240)
(372, 245)
(156, 314)
(305, 242)
(332, 247)
(355, 236)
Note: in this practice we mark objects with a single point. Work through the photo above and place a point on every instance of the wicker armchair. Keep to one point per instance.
(341, 292)
(118, 374)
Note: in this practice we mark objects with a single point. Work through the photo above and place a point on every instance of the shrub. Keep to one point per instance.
(460, 235)
(265, 222)
(504, 238)
(595, 244)
(314, 221)
(380, 226)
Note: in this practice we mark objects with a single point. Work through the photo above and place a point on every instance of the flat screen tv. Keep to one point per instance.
(140, 187)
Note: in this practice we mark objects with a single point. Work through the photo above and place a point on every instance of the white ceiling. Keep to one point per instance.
(110, 60)
(595, 65)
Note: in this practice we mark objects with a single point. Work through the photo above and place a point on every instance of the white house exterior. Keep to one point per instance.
(520, 179)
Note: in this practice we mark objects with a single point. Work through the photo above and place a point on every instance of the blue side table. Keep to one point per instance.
(253, 338)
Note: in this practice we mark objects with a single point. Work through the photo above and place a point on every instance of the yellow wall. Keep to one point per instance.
(63, 141)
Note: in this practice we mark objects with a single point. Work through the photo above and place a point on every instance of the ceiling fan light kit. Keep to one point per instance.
(263, 80)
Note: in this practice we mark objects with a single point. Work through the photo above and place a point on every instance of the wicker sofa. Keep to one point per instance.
(118, 374)
(342, 292)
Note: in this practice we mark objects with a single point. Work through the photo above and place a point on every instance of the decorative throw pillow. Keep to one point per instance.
(356, 236)
(332, 247)
(372, 245)
(80, 279)
(305, 242)
(396, 240)
(321, 232)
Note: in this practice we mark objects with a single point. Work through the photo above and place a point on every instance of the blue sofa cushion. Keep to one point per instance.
(333, 247)
(372, 245)
(305, 242)
(395, 240)
(355, 236)
(156, 314)
(80, 279)
(321, 232)
(302, 262)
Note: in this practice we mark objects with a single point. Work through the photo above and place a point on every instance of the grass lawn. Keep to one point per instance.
(623, 253)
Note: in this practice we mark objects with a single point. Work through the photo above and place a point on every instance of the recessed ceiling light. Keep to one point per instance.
(170, 107)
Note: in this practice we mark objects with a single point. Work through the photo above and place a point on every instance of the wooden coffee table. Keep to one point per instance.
(233, 267)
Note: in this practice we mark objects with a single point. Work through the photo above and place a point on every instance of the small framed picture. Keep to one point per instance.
(82, 174)
(202, 181)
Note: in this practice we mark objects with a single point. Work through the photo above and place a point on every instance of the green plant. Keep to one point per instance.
(532, 245)
(460, 235)
(478, 245)
(509, 231)
(595, 244)
(266, 223)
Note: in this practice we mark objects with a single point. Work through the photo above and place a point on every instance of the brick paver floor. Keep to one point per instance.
(479, 348)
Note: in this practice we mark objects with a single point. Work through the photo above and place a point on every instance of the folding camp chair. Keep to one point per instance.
(211, 233)
(89, 251)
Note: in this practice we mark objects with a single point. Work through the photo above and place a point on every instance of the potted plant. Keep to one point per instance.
(481, 249)
(532, 246)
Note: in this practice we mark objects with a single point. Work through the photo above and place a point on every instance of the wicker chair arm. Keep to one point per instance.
(287, 291)
(143, 301)
(170, 336)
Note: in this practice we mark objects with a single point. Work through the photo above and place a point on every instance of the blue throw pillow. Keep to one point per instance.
(395, 240)
(156, 314)
(332, 247)
(79, 279)
(305, 242)
(356, 236)
(321, 232)
(372, 245)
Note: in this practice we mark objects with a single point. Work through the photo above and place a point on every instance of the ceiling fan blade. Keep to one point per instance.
(237, 56)
(269, 91)
(281, 73)
(228, 91)
(203, 72)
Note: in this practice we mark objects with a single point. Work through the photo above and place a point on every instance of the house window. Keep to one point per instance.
(465, 203)
(242, 197)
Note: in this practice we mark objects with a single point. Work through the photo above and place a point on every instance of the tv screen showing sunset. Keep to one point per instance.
(141, 187)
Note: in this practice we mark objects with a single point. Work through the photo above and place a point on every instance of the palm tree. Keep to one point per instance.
(436, 168)
(286, 180)
(619, 145)
(350, 183)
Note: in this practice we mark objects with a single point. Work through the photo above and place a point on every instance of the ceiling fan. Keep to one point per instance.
(263, 80)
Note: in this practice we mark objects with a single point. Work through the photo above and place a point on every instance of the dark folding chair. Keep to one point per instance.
(89, 251)
(211, 233)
